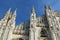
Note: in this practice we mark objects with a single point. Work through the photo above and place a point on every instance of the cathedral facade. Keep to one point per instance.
(45, 27)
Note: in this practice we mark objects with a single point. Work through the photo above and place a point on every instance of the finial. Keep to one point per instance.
(16, 9)
(47, 7)
(32, 9)
(7, 14)
(9, 10)
(14, 14)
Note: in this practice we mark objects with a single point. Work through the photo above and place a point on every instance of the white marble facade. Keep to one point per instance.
(45, 27)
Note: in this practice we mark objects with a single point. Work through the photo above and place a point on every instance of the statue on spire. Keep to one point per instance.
(32, 11)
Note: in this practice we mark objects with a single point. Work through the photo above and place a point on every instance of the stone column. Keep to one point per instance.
(32, 34)
(37, 33)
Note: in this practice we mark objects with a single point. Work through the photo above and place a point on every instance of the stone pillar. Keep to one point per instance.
(32, 34)
(37, 33)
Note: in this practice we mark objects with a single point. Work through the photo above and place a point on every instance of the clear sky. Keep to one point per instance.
(24, 7)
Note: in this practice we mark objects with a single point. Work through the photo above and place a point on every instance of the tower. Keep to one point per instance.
(32, 24)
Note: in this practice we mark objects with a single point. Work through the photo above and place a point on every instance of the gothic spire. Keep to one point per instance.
(13, 19)
(14, 14)
(8, 12)
(7, 15)
(33, 18)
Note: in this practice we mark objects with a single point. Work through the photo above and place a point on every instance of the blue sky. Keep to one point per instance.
(24, 7)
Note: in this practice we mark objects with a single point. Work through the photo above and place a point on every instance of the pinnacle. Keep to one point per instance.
(33, 10)
(8, 12)
(14, 14)
(47, 7)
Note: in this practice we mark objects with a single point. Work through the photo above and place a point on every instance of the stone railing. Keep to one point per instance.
(19, 32)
